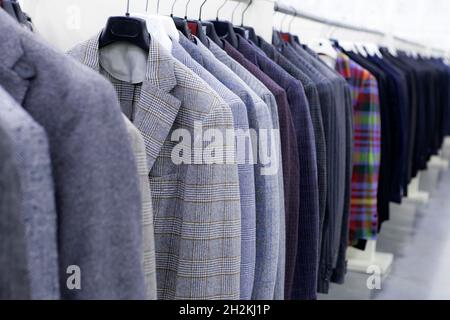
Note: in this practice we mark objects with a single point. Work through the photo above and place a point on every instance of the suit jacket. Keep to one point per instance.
(14, 272)
(266, 186)
(303, 213)
(148, 232)
(261, 90)
(38, 197)
(245, 169)
(196, 205)
(96, 183)
(312, 94)
(339, 145)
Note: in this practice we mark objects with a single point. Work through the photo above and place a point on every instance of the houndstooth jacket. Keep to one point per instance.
(196, 206)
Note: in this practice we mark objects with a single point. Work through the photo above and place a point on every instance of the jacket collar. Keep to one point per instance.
(156, 94)
(16, 71)
(160, 64)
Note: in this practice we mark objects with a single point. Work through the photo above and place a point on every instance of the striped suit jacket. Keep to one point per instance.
(245, 168)
(196, 206)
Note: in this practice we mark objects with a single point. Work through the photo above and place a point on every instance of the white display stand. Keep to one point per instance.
(414, 194)
(360, 261)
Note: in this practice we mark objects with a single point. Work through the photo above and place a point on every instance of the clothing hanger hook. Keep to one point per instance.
(173, 7)
(283, 20)
(201, 8)
(186, 9)
(293, 18)
(234, 11)
(146, 7)
(245, 11)
(128, 8)
(220, 8)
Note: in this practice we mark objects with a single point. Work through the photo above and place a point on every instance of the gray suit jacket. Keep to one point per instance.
(196, 206)
(95, 178)
(38, 197)
(267, 190)
(261, 90)
(245, 170)
(148, 232)
(14, 273)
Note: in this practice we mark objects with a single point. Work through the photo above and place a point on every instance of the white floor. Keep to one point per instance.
(421, 245)
(422, 271)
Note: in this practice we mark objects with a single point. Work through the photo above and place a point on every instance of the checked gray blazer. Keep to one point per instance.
(94, 174)
(196, 206)
(14, 280)
(261, 90)
(245, 169)
(267, 190)
(38, 197)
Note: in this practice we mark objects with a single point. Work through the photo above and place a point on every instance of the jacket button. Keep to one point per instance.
(24, 70)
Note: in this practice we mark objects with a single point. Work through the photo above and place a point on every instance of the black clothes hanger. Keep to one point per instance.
(7, 5)
(127, 29)
(12, 7)
(209, 29)
(195, 26)
(224, 29)
(181, 23)
(246, 32)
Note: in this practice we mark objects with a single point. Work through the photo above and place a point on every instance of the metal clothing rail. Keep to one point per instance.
(300, 14)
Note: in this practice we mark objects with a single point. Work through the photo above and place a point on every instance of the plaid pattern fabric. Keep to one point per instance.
(148, 234)
(266, 186)
(367, 144)
(245, 168)
(197, 213)
(250, 78)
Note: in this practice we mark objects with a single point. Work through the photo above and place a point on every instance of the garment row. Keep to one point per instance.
(90, 187)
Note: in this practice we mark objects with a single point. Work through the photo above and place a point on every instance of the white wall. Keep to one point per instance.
(67, 22)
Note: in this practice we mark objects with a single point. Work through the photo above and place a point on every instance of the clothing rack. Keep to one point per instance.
(301, 14)
(281, 8)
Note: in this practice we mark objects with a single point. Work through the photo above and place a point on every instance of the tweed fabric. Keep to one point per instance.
(14, 273)
(96, 183)
(38, 197)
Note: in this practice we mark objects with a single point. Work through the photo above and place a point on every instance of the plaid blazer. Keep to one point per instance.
(148, 234)
(93, 169)
(14, 272)
(38, 197)
(266, 186)
(245, 169)
(196, 206)
(367, 144)
(261, 90)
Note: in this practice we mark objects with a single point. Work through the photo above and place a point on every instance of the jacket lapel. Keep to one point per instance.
(15, 71)
(157, 108)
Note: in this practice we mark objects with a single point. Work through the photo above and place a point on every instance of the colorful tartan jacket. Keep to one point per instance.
(367, 148)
